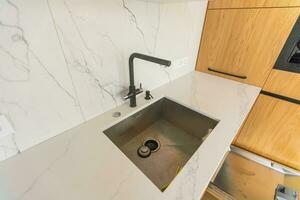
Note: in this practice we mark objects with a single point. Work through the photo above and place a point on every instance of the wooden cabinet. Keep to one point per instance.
(273, 131)
(214, 193)
(215, 4)
(210, 196)
(244, 42)
(284, 83)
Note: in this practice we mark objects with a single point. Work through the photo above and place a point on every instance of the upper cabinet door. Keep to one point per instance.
(243, 44)
(213, 4)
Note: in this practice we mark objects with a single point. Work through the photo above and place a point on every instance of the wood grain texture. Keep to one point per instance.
(284, 83)
(245, 42)
(273, 131)
(209, 196)
(214, 193)
(214, 4)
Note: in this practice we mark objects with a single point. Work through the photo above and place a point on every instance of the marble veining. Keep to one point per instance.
(64, 62)
(82, 163)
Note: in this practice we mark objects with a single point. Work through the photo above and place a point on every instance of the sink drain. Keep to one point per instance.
(152, 144)
(149, 146)
(144, 151)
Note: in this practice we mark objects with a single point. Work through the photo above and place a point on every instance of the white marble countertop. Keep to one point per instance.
(82, 163)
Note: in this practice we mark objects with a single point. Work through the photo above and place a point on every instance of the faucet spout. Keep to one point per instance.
(132, 89)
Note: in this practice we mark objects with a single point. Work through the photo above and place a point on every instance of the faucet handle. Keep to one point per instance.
(139, 90)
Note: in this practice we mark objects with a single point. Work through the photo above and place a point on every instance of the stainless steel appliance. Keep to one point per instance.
(244, 175)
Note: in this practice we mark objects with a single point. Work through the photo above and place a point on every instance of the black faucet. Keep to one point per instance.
(132, 90)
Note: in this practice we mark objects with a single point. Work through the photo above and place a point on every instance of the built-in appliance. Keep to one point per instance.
(289, 58)
(247, 176)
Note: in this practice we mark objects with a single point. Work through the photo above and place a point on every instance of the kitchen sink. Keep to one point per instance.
(161, 138)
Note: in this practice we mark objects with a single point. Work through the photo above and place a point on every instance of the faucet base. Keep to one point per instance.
(132, 92)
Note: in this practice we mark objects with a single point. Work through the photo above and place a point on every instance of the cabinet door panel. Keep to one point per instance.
(244, 42)
(273, 131)
(213, 4)
(284, 83)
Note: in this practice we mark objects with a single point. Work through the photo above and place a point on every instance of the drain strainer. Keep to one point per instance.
(152, 144)
(144, 151)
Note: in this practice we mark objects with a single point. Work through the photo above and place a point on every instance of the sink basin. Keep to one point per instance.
(172, 132)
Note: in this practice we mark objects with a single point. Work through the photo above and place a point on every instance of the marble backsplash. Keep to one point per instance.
(63, 62)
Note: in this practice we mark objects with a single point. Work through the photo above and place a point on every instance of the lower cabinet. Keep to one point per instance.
(272, 130)
(283, 83)
(215, 194)
(209, 196)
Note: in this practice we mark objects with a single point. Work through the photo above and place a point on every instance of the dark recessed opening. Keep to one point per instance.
(152, 144)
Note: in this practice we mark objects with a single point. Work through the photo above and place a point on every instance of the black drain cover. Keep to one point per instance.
(153, 145)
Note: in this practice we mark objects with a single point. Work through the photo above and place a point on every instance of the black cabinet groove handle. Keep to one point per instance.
(225, 73)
